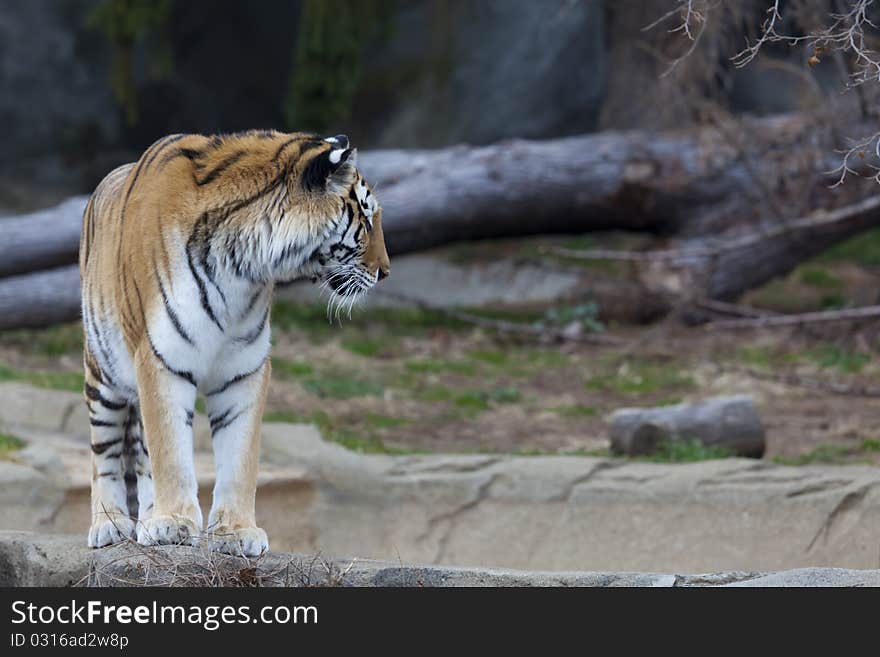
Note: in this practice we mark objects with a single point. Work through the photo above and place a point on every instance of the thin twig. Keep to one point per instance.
(847, 315)
(818, 220)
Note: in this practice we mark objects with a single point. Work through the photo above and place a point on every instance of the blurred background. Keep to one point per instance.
(605, 207)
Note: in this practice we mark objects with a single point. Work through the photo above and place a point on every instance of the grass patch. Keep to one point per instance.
(340, 387)
(687, 451)
(291, 417)
(367, 443)
(576, 410)
(379, 421)
(473, 400)
(505, 395)
(871, 445)
(9, 443)
(52, 341)
(72, 381)
(490, 356)
(290, 369)
(826, 453)
(436, 393)
(818, 277)
(644, 378)
(832, 356)
(863, 249)
(365, 347)
(437, 366)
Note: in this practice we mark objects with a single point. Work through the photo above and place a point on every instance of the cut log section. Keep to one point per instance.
(732, 423)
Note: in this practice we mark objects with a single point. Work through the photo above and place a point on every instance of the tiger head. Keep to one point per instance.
(351, 257)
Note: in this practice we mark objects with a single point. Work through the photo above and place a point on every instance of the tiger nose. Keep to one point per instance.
(381, 273)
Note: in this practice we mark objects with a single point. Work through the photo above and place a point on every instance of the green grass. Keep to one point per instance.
(72, 381)
(505, 395)
(472, 400)
(644, 378)
(833, 453)
(826, 453)
(863, 249)
(755, 355)
(832, 356)
(434, 393)
(490, 356)
(871, 445)
(437, 366)
(341, 387)
(52, 341)
(9, 443)
(818, 277)
(379, 421)
(367, 442)
(289, 369)
(576, 410)
(366, 347)
(291, 417)
(686, 451)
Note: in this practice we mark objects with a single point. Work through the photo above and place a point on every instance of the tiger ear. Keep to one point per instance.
(333, 170)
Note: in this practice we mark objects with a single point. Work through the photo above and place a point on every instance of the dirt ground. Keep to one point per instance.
(411, 380)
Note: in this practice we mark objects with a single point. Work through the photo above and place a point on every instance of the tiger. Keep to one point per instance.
(179, 257)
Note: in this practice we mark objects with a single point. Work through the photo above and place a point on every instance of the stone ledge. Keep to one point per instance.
(29, 559)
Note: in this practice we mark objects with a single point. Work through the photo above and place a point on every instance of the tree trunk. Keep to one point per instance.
(40, 299)
(699, 185)
(41, 240)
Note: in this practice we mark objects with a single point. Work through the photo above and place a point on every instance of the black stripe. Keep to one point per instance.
(102, 423)
(183, 374)
(88, 217)
(284, 146)
(189, 153)
(95, 395)
(253, 300)
(220, 168)
(235, 379)
(167, 141)
(223, 421)
(250, 338)
(209, 272)
(203, 291)
(189, 417)
(100, 448)
(93, 370)
(112, 473)
(152, 151)
(175, 321)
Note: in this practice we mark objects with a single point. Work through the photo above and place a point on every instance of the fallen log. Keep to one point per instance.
(691, 183)
(40, 299)
(699, 185)
(43, 239)
(730, 423)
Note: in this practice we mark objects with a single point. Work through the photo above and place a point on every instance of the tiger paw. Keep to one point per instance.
(246, 542)
(107, 530)
(167, 530)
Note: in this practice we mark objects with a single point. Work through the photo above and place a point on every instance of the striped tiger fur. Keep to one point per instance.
(179, 255)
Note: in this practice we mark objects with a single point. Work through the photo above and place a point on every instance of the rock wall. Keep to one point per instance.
(530, 513)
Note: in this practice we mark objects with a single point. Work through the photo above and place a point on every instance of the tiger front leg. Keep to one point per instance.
(167, 398)
(235, 410)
